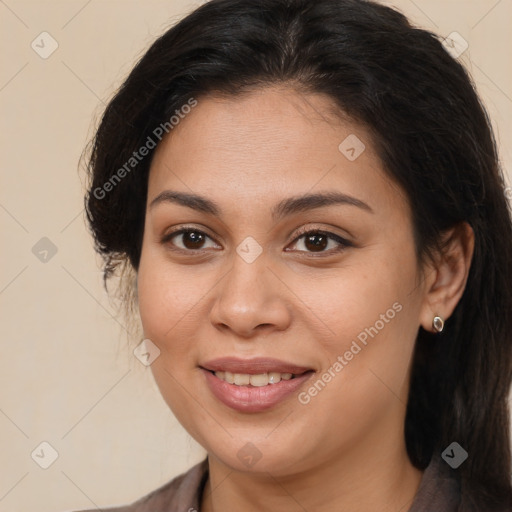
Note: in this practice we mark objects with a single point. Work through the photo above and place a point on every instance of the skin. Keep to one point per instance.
(345, 449)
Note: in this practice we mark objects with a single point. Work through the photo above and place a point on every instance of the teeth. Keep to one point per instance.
(262, 379)
(242, 379)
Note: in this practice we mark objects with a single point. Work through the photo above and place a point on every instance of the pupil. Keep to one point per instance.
(310, 239)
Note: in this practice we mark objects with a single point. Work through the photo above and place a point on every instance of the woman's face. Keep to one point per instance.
(247, 293)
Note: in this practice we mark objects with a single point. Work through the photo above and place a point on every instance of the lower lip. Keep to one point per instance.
(251, 398)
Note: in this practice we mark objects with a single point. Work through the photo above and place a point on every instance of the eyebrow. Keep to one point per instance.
(285, 207)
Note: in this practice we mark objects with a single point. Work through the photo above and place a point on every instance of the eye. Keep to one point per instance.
(316, 241)
(189, 239)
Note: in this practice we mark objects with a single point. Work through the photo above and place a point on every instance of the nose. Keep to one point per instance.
(251, 300)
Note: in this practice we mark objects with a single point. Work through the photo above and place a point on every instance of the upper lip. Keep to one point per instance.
(253, 366)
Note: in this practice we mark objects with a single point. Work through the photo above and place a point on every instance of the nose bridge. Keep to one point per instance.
(249, 295)
(246, 286)
(249, 267)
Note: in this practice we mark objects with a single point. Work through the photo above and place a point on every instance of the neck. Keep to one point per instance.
(376, 477)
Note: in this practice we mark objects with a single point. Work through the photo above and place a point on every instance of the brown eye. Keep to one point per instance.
(316, 241)
(191, 239)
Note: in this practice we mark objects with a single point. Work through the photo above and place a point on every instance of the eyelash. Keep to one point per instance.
(301, 233)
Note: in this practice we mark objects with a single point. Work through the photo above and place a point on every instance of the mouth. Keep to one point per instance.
(255, 366)
(253, 385)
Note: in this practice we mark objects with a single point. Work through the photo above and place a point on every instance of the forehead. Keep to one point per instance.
(266, 144)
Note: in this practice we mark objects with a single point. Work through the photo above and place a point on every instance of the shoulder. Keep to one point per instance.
(180, 494)
(439, 489)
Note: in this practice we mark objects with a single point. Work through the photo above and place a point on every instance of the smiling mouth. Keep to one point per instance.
(253, 385)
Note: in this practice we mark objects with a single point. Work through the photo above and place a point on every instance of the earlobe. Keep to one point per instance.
(449, 277)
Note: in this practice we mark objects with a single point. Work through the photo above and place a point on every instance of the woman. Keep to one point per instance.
(308, 196)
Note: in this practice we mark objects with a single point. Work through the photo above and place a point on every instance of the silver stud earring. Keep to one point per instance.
(438, 324)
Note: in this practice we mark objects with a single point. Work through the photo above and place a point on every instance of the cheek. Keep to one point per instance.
(166, 296)
(365, 378)
(166, 300)
(369, 298)
(372, 316)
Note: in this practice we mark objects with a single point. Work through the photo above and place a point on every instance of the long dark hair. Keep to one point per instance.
(434, 139)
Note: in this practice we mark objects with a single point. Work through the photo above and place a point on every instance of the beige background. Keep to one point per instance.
(67, 373)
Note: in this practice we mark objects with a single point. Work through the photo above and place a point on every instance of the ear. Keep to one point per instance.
(447, 275)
